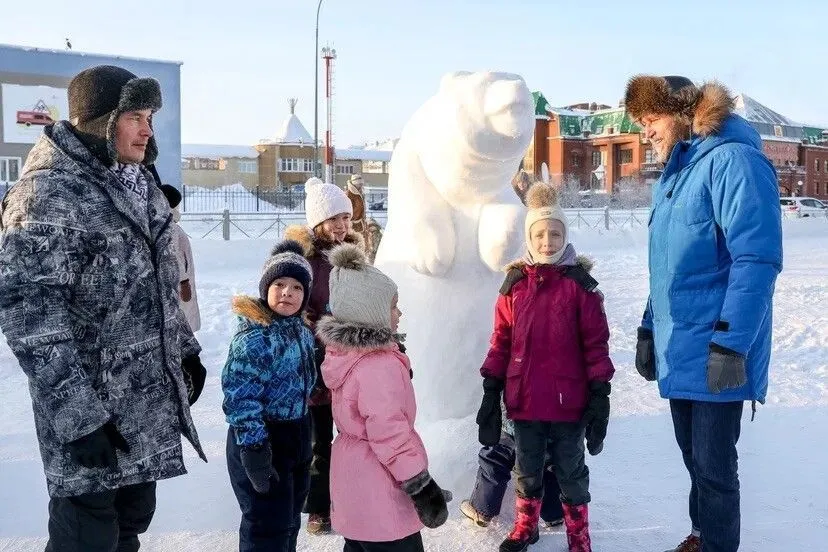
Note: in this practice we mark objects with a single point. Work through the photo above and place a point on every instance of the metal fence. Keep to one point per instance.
(254, 200)
(229, 225)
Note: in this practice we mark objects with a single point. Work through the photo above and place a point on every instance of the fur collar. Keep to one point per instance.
(252, 309)
(353, 336)
(581, 260)
(715, 104)
(312, 245)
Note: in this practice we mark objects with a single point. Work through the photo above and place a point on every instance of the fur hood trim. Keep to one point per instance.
(587, 263)
(252, 309)
(310, 244)
(353, 336)
(706, 107)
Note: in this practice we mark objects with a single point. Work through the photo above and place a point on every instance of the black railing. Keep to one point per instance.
(257, 200)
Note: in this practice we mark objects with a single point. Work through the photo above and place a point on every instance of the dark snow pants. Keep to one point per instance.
(564, 444)
(108, 521)
(271, 521)
(494, 473)
(319, 497)
(411, 543)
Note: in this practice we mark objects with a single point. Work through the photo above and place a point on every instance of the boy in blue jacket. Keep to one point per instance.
(267, 381)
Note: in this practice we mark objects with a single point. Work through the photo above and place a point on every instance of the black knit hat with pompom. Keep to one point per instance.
(286, 260)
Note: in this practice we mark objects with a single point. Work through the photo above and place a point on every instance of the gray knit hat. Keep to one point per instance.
(359, 293)
(286, 260)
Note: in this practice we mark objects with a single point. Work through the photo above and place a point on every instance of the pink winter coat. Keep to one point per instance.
(377, 447)
(550, 340)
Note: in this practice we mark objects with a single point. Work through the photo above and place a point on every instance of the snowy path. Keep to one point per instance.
(638, 483)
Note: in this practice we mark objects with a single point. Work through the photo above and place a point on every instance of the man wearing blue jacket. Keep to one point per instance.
(715, 251)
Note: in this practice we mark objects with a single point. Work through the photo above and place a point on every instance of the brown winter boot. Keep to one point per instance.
(527, 514)
(691, 544)
(577, 527)
(319, 525)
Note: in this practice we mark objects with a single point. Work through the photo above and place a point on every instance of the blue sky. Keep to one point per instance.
(243, 59)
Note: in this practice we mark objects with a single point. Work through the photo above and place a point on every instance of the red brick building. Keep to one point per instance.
(597, 146)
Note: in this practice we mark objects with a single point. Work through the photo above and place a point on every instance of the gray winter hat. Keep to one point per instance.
(286, 261)
(359, 292)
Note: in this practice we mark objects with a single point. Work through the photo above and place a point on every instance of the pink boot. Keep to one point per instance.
(577, 527)
(527, 514)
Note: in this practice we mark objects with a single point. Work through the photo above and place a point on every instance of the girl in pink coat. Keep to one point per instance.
(381, 492)
(549, 356)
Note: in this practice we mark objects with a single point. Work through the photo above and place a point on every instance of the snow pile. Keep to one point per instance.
(639, 484)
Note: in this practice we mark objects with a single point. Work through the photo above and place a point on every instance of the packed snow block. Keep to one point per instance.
(453, 222)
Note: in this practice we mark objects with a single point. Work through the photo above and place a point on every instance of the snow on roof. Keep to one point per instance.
(750, 109)
(362, 154)
(293, 132)
(217, 151)
(83, 54)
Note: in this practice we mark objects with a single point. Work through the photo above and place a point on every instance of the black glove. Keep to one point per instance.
(258, 465)
(645, 354)
(194, 376)
(97, 450)
(490, 415)
(596, 416)
(725, 369)
(429, 499)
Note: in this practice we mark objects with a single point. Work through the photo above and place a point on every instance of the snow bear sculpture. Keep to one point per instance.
(453, 222)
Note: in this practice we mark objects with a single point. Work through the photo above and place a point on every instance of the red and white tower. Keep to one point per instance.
(329, 55)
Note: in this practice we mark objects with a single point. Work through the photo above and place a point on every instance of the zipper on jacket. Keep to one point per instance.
(153, 252)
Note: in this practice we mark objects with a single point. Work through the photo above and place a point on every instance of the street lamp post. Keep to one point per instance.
(316, 96)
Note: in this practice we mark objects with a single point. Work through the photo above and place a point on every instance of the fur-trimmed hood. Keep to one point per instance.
(581, 260)
(706, 107)
(311, 245)
(346, 344)
(252, 309)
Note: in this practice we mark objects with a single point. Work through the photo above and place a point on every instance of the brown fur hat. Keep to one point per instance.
(670, 95)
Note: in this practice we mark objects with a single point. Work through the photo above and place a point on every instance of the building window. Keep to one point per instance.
(626, 156)
(185, 164)
(344, 169)
(816, 165)
(596, 158)
(825, 166)
(377, 167)
(576, 160)
(307, 165)
(288, 164)
(649, 156)
(247, 167)
(9, 169)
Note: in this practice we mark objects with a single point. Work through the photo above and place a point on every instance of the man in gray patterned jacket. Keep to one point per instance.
(89, 306)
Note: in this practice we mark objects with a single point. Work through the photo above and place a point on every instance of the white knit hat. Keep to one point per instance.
(359, 293)
(356, 184)
(543, 204)
(323, 201)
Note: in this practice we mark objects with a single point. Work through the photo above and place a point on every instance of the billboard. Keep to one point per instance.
(27, 109)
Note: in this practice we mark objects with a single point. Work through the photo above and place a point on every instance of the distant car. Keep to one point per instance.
(30, 118)
(381, 205)
(802, 207)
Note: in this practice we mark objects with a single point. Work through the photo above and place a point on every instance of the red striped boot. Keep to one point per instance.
(527, 514)
(577, 527)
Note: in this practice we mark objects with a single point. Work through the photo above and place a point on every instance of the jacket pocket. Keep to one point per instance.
(571, 393)
(514, 383)
(692, 248)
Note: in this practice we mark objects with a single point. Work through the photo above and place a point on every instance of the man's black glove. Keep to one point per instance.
(490, 415)
(97, 450)
(645, 354)
(258, 465)
(194, 376)
(596, 416)
(725, 369)
(429, 499)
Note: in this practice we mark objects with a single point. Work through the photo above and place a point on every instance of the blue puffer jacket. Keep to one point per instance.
(715, 252)
(270, 371)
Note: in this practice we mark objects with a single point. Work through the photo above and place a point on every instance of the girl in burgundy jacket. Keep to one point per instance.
(549, 353)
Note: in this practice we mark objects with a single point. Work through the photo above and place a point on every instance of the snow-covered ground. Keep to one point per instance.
(639, 485)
